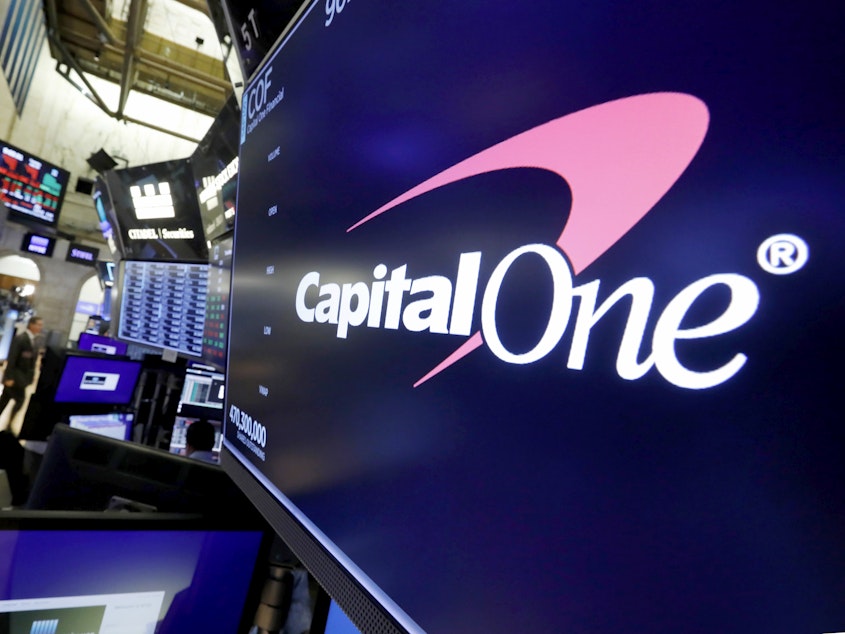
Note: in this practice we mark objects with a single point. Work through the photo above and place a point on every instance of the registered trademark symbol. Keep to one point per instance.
(783, 254)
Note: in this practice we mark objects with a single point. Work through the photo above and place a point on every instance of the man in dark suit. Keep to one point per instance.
(20, 366)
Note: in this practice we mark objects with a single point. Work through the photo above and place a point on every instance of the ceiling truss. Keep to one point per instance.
(85, 38)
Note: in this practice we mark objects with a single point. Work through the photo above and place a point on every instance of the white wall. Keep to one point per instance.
(19, 266)
(62, 126)
(90, 292)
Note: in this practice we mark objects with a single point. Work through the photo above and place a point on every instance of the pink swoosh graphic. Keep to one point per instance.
(619, 158)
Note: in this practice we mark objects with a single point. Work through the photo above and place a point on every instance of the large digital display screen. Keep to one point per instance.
(32, 188)
(215, 167)
(536, 313)
(156, 211)
(162, 304)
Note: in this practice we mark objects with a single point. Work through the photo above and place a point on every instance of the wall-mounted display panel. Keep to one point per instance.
(30, 187)
(536, 314)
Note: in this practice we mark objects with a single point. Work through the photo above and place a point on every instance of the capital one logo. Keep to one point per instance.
(619, 158)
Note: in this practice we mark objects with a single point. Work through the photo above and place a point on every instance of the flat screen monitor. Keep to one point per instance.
(30, 187)
(129, 572)
(162, 304)
(536, 318)
(156, 211)
(117, 425)
(97, 380)
(39, 244)
(202, 392)
(101, 343)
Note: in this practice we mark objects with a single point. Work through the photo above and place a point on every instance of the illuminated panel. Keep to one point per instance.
(30, 187)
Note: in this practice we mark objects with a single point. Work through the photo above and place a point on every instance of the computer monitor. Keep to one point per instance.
(102, 380)
(101, 343)
(536, 313)
(129, 572)
(117, 425)
(50, 405)
(202, 392)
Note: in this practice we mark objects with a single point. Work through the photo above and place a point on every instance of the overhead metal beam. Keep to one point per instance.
(68, 59)
(151, 60)
(152, 126)
(100, 21)
(90, 42)
(134, 28)
(169, 66)
(92, 94)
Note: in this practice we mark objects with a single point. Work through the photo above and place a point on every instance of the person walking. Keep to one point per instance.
(20, 366)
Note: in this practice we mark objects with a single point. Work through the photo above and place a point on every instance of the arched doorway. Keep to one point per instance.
(19, 277)
(90, 302)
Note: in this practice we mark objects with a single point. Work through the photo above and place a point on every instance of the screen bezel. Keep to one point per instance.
(333, 577)
(188, 409)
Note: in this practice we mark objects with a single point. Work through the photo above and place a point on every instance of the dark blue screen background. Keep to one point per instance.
(69, 391)
(205, 574)
(535, 498)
